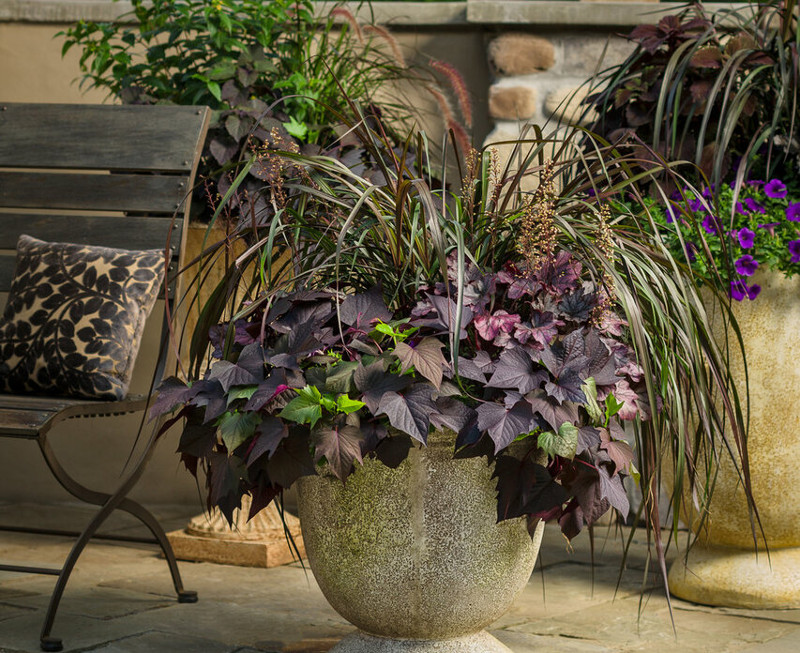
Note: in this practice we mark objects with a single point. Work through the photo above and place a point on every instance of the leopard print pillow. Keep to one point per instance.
(74, 318)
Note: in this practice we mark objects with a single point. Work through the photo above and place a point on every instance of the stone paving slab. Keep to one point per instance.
(121, 600)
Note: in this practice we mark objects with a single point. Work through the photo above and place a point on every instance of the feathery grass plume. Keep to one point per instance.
(345, 13)
(459, 86)
(605, 248)
(460, 135)
(391, 41)
(538, 233)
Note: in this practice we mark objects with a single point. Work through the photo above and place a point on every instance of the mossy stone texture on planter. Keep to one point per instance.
(415, 553)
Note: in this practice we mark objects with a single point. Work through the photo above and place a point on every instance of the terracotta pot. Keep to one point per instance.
(414, 557)
(723, 568)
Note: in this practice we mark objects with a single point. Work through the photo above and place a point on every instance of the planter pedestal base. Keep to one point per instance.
(481, 642)
(737, 578)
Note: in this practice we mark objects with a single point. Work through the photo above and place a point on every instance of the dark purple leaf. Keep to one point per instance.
(516, 370)
(525, 487)
(364, 308)
(371, 435)
(197, 440)
(601, 366)
(269, 434)
(588, 438)
(226, 473)
(614, 492)
(445, 320)
(340, 445)
(542, 328)
(504, 424)
(292, 459)
(393, 450)
(374, 382)
(459, 418)
(552, 411)
(468, 369)
(171, 393)
(252, 359)
(577, 306)
(410, 412)
(229, 374)
(267, 390)
(561, 275)
(261, 496)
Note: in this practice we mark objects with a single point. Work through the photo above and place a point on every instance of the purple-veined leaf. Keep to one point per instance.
(542, 328)
(426, 357)
(267, 390)
(588, 437)
(410, 412)
(504, 424)
(560, 275)
(340, 445)
(625, 394)
(445, 320)
(489, 325)
(515, 369)
(459, 418)
(577, 306)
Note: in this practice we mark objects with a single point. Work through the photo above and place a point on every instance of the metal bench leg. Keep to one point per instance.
(109, 503)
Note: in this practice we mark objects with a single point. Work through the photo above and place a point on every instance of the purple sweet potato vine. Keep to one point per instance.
(321, 377)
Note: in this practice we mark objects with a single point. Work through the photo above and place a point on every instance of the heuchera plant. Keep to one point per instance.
(753, 227)
(318, 377)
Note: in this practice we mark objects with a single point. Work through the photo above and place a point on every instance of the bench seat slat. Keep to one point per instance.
(92, 192)
(99, 136)
(127, 232)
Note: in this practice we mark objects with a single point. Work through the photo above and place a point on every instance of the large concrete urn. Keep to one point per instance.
(413, 556)
(724, 568)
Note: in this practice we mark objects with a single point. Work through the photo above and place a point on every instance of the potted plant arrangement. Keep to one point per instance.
(441, 370)
(272, 72)
(722, 90)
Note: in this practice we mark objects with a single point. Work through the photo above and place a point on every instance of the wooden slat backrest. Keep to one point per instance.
(96, 174)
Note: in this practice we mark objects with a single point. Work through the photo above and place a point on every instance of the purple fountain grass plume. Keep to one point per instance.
(351, 20)
(459, 87)
(391, 41)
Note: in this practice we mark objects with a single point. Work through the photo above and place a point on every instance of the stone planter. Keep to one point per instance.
(414, 557)
(723, 568)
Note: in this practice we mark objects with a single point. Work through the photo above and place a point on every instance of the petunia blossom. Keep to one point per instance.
(794, 250)
(710, 224)
(746, 265)
(793, 212)
(754, 206)
(738, 290)
(775, 189)
(746, 237)
(770, 227)
(752, 291)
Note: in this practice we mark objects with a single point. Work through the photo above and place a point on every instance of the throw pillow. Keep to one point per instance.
(74, 318)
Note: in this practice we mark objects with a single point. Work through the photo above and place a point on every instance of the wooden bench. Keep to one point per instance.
(115, 176)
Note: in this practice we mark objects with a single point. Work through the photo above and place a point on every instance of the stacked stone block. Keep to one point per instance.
(540, 78)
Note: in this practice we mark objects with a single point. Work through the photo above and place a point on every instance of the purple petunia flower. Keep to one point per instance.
(793, 212)
(775, 189)
(691, 248)
(710, 224)
(738, 290)
(696, 204)
(755, 183)
(746, 238)
(752, 291)
(794, 250)
(746, 265)
(672, 214)
(754, 206)
(770, 227)
(740, 209)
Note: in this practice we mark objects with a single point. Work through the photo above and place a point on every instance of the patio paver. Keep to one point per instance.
(120, 601)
